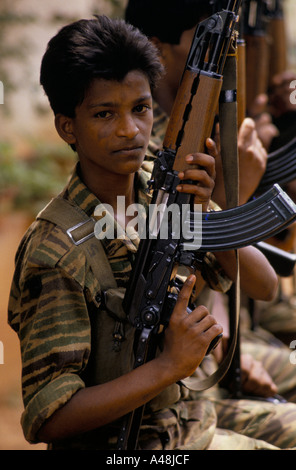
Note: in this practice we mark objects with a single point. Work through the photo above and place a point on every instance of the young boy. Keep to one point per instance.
(77, 376)
(76, 343)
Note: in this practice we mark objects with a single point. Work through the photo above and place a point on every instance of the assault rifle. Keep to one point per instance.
(150, 296)
(255, 24)
(262, 22)
(280, 167)
(277, 37)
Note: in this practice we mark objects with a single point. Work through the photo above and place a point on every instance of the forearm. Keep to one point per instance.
(99, 405)
(257, 277)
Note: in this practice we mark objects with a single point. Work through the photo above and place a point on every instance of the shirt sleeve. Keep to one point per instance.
(214, 275)
(54, 333)
(211, 271)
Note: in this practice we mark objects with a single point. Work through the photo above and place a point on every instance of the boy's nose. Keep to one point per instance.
(127, 127)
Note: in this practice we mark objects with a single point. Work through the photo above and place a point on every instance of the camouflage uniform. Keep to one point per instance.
(279, 317)
(69, 340)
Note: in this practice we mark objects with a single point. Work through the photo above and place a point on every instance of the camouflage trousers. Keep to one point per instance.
(274, 424)
(193, 425)
(254, 424)
(221, 424)
(279, 317)
(276, 358)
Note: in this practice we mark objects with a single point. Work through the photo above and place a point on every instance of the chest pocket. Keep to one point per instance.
(112, 339)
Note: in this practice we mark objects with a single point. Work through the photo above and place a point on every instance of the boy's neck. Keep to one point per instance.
(108, 186)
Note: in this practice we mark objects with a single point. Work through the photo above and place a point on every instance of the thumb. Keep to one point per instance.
(246, 129)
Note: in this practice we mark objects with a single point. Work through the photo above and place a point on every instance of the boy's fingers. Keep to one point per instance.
(212, 147)
(246, 129)
(184, 294)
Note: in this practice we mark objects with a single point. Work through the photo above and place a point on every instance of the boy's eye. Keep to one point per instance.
(103, 114)
(140, 108)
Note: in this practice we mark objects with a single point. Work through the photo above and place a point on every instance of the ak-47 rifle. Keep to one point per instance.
(280, 167)
(150, 296)
(262, 19)
(277, 37)
(255, 23)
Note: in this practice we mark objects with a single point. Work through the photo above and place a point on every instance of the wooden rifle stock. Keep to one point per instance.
(277, 40)
(200, 108)
(257, 49)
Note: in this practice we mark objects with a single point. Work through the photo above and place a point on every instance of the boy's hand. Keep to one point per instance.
(255, 379)
(203, 173)
(188, 336)
(252, 159)
(265, 128)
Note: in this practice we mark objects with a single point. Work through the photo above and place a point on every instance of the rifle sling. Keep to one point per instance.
(229, 153)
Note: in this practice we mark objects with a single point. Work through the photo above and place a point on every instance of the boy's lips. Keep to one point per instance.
(129, 150)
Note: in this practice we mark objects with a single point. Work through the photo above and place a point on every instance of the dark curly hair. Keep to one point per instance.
(94, 48)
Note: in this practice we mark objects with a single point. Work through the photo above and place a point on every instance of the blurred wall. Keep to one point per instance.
(25, 112)
(25, 28)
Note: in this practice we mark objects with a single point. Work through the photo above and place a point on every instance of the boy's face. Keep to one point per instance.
(112, 126)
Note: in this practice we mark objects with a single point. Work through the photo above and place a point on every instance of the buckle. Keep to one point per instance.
(84, 234)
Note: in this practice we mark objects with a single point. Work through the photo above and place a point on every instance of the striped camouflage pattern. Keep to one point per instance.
(248, 423)
(275, 356)
(260, 420)
(279, 316)
(48, 308)
(52, 292)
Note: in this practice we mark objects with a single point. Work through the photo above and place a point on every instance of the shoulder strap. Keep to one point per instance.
(80, 229)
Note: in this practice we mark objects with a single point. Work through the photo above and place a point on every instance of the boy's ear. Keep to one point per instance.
(64, 127)
(160, 46)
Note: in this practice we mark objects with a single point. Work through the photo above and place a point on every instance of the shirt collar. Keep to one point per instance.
(79, 193)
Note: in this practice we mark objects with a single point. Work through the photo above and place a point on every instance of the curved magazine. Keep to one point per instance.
(280, 167)
(245, 225)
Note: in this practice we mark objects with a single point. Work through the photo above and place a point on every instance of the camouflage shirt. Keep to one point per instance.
(53, 296)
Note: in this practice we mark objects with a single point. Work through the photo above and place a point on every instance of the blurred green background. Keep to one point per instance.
(33, 161)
